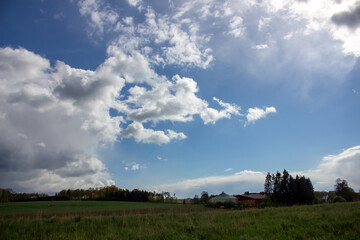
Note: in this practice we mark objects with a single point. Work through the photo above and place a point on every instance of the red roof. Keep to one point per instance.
(256, 196)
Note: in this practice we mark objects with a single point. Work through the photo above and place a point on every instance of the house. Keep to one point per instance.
(223, 197)
(325, 198)
(251, 198)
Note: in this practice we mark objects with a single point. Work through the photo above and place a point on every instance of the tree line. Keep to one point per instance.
(108, 193)
(283, 189)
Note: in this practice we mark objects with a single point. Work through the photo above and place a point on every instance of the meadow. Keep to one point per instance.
(321, 221)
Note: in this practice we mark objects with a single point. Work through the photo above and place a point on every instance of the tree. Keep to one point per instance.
(204, 197)
(4, 195)
(276, 186)
(342, 189)
(268, 185)
(284, 189)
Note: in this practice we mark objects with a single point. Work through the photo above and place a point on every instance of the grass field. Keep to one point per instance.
(323, 221)
(89, 208)
(53, 206)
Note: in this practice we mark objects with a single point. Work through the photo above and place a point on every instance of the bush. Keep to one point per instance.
(339, 199)
(227, 204)
(267, 202)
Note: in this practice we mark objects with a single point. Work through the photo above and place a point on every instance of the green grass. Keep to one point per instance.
(325, 221)
(61, 206)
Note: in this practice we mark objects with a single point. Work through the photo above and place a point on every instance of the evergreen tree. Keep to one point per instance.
(284, 189)
(268, 186)
(276, 188)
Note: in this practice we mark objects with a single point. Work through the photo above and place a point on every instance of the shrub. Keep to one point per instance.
(227, 204)
(339, 199)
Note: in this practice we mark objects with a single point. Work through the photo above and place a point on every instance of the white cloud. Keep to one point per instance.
(174, 42)
(211, 115)
(343, 165)
(67, 116)
(145, 135)
(134, 3)
(232, 184)
(323, 177)
(99, 15)
(41, 144)
(174, 100)
(286, 26)
(319, 15)
(261, 46)
(228, 170)
(236, 26)
(135, 167)
(263, 22)
(255, 114)
(289, 36)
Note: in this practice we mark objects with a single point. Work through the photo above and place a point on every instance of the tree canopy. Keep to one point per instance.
(284, 189)
(342, 189)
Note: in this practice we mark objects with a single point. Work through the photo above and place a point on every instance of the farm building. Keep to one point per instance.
(223, 197)
(251, 198)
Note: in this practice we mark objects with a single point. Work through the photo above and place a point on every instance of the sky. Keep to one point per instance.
(178, 96)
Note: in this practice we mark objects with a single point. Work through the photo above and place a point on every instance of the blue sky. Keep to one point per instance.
(179, 96)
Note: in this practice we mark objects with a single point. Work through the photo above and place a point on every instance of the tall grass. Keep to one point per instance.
(326, 221)
(61, 206)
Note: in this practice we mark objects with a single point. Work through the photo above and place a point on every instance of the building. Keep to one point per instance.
(251, 198)
(223, 197)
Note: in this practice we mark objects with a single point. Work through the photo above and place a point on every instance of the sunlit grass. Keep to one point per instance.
(52, 206)
(325, 221)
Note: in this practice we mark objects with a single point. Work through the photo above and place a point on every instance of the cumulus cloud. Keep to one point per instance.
(145, 135)
(211, 115)
(174, 100)
(53, 117)
(323, 15)
(284, 25)
(254, 114)
(43, 129)
(136, 3)
(172, 42)
(350, 19)
(342, 165)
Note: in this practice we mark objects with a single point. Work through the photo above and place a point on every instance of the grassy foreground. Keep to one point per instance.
(325, 221)
(43, 207)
